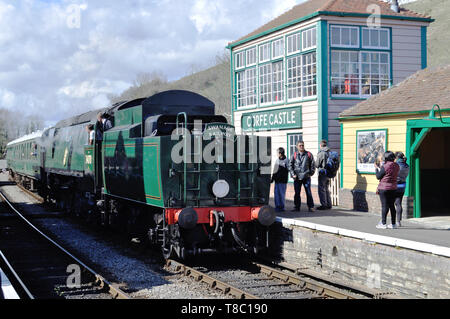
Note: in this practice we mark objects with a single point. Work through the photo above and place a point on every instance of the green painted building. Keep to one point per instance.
(293, 76)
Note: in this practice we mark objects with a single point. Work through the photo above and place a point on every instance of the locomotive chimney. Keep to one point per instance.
(394, 6)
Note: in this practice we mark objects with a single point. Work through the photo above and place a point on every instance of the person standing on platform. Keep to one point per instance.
(401, 185)
(387, 188)
(301, 168)
(324, 180)
(280, 177)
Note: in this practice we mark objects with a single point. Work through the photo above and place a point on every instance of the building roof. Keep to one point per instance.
(417, 93)
(312, 8)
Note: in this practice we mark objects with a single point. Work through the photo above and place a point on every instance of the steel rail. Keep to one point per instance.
(114, 291)
(34, 195)
(212, 282)
(320, 288)
(15, 277)
(334, 283)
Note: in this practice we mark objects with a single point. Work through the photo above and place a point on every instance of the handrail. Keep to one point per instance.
(184, 156)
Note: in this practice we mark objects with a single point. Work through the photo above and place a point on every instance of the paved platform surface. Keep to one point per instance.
(431, 230)
(6, 289)
(2, 164)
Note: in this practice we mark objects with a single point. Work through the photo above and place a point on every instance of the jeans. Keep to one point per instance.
(280, 195)
(324, 191)
(398, 202)
(387, 198)
(306, 182)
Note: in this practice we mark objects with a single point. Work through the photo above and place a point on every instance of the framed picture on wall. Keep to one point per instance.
(370, 148)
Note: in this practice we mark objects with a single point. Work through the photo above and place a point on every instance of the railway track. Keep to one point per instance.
(45, 268)
(253, 280)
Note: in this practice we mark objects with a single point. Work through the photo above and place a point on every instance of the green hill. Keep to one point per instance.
(439, 31)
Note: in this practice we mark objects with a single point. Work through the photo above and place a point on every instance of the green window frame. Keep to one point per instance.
(372, 75)
(271, 85)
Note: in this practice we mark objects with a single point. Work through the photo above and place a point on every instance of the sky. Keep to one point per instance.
(59, 58)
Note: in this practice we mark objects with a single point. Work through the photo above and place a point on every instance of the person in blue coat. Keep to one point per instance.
(401, 184)
(280, 177)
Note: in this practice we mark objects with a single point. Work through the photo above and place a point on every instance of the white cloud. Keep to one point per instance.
(209, 15)
(49, 68)
(7, 98)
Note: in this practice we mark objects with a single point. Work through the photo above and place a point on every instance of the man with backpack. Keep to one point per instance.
(301, 168)
(328, 164)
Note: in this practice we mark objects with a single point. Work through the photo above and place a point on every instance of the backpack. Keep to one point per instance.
(309, 155)
(332, 165)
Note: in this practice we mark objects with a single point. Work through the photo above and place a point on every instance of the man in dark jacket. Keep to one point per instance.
(324, 180)
(302, 167)
(280, 177)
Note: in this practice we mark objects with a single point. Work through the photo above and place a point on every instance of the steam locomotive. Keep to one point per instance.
(169, 171)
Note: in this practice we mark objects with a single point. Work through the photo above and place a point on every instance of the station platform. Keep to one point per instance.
(412, 261)
(7, 291)
(431, 234)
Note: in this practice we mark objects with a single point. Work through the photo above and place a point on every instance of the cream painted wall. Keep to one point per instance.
(396, 142)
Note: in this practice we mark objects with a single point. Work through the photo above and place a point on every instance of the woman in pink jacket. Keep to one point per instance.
(387, 175)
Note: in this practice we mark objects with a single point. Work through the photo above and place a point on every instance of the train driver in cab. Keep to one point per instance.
(103, 124)
(91, 133)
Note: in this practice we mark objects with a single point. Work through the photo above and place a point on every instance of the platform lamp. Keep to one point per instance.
(432, 115)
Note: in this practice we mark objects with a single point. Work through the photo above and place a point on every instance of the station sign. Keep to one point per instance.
(279, 119)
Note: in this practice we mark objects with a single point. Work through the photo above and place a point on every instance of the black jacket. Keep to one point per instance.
(404, 171)
(281, 171)
(302, 165)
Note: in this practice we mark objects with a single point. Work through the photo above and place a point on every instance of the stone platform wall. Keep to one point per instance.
(370, 202)
(403, 271)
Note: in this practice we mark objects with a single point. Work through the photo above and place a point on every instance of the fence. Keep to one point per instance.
(334, 188)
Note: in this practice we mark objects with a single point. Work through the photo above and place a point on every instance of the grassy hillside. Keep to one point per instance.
(439, 30)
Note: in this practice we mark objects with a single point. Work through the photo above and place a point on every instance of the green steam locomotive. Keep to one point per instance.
(168, 171)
